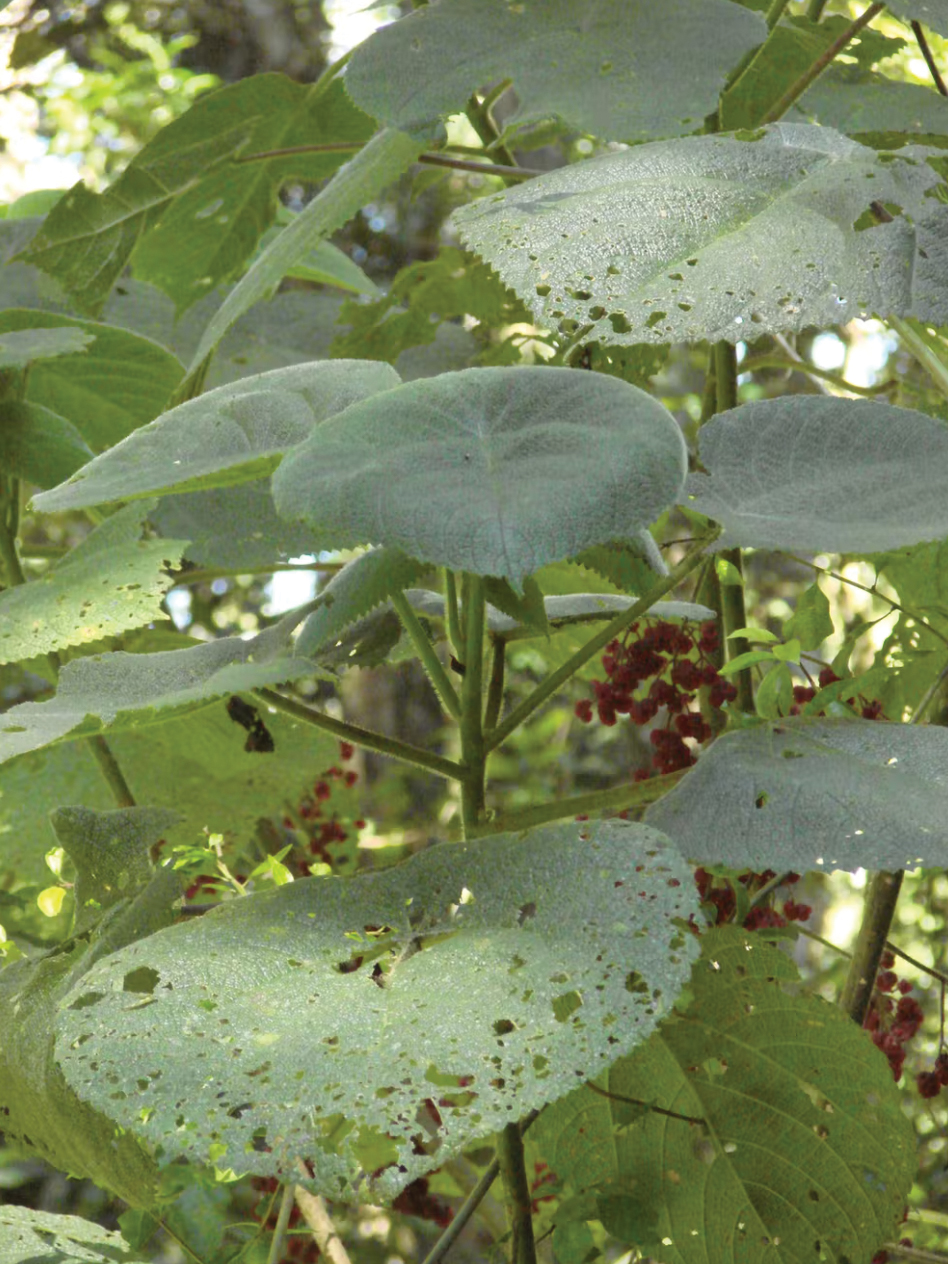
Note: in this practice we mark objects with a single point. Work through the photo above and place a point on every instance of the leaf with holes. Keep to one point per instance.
(721, 237)
(492, 471)
(229, 435)
(374, 1026)
(805, 794)
(805, 1149)
(806, 473)
(40, 1237)
(626, 80)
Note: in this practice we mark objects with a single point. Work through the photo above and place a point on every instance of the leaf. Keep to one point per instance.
(21, 348)
(228, 435)
(873, 108)
(191, 217)
(492, 471)
(933, 13)
(40, 1112)
(630, 565)
(427, 66)
(832, 475)
(38, 446)
(109, 583)
(362, 585)
(562, 948)
(120, 690)
(814, 794)
(803, 1119)
(326, 264)
(117, 383)
(39, 1237)
(811, 622)
(719, 237)
(365, 176)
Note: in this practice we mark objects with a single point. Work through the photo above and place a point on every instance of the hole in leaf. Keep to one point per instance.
(566, 1005)
(87, 1000)
(144, 979)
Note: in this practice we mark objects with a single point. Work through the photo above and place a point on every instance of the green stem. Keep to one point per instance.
(815, 11)
(109, 767)
(495, 686)
(619, 798)
(692, 559)
(473, 752)
(513, 1172)
(481, 117)
(363, 737)
(924, 348)
(824, 375)
(278, 1241)
(426, 652)
(733, 613)
(775, 12)
(878, 911)
(454, 617)
(796, 90)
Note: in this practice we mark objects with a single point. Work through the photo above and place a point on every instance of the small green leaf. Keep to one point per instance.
(811, 622)
(774, 694)
(789, 652)
(728, 573)
(37, 445)
(753, 634)
(740, 661)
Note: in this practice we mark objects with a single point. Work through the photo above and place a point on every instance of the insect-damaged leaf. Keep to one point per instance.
(374, 1026)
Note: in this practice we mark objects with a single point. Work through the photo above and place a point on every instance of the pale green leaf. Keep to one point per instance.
(365, 176)
(505, 969)
(870, 106)
(566, 610)
(493, 471)
(40, 1237)
(609, 69)
(720, 237)
(933, 13)
(814, 794)
(109, 583)
(22, 347)
(229, 435)
(833, 475)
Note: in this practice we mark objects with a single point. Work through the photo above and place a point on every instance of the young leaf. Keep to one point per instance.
(109, 583)
(814, 794)
(229, 435)
(511, 966)
(811, 622)
(426, 66)
(685, 240)
(840, 475)
(492, 471)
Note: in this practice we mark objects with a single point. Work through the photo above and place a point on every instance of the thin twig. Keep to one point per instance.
(635, 1101)
(319, 1220)
(927, 54)
(278, 1241)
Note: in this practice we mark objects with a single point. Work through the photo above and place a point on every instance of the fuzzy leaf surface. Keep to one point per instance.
(720, 237)
(228, 435)
(114, 580)
(804, 794)
(805, 1141)
(40, 1237)
(626, 79)
(567, 955)
(933, 13)
(38, 446)
(806, 473)
(492, 471)
(120, 690)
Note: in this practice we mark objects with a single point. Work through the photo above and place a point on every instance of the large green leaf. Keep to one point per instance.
(721, 237)
(834, 475)
(369, 173)
(111, 582)
(192, 217)
(40, 1237)
(609, 69)
(118, 382)
(806, 1153)
(38, 446)
(814, 794)
(229, 435)
(869, 105)
(324, 1019)
(493, 471)
(121, 691)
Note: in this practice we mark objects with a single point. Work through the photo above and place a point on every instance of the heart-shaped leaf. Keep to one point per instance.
(228, 435)
(840, 475)
(806, 794)
(374, 1026)
(721, 237)
(626, 81)
(492, 471)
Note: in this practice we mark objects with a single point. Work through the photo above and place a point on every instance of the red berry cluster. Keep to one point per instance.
(660, 653)
(869, 710)
(894, 1023)
(416, 1200)
(720, 895)
(322, 826)
(542, 1176)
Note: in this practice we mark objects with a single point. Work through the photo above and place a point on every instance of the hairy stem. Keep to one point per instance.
(362, 737)
(495, 685)
(454, 617)
(428, 655)
(513, 1172)
(473, 752)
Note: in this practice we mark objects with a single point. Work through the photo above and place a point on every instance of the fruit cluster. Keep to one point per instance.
(322, 826)
(720, 899)
(678, 664)
(892, 1022)
(868, 709)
